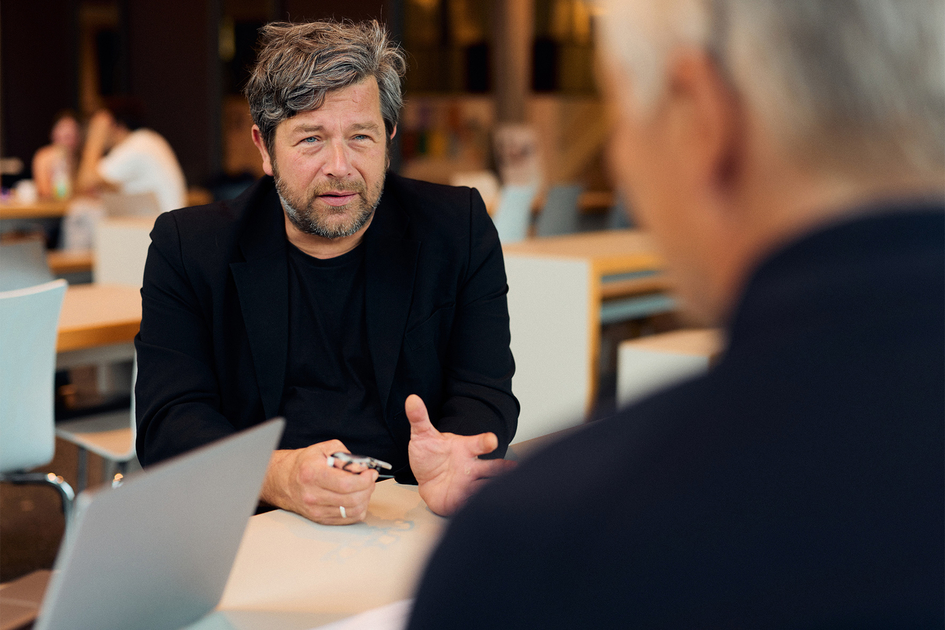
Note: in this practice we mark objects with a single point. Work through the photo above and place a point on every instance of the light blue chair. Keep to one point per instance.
(560, 212)
(23, 264)
(514, 212)
(29, 320)
(619, 218)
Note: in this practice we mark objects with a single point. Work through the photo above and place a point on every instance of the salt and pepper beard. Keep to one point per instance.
(309, 220)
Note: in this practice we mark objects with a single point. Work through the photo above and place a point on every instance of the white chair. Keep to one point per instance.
(29, 319)
(110, 435)
(121, 250)
(514, 213)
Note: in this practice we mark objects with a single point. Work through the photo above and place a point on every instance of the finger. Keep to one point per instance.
(482, 443)
(417, 415)
(345, 482)
(325, 504)
(488, 468)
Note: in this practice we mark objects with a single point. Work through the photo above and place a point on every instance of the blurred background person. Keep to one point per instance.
(122, 155)
(124, 159)
(55, 165)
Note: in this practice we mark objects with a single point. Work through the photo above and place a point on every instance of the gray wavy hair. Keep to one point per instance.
(298, 64)
(842, 84)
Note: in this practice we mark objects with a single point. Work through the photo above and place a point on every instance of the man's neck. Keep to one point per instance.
(321, 247)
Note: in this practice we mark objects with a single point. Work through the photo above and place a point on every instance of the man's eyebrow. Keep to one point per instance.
(307, 128)
(366, 126)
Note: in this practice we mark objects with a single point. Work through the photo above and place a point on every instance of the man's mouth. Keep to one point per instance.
(338, 198)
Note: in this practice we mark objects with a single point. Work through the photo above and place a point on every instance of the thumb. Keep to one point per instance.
(417, 415)
(486, 443)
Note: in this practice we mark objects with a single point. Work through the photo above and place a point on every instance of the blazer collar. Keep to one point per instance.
(391, 264)
(262, 284)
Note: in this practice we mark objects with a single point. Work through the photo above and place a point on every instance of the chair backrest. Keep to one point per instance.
(619, 217)
(28, 329)
(121, 204)
(121, 250)
(23, 264)
(514, 213)
(560, 213)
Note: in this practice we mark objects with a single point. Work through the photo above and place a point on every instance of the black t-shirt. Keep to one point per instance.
(330, 390)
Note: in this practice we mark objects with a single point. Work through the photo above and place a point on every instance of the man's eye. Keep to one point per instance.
(310, 140)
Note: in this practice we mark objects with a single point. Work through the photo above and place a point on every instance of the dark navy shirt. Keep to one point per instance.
(330, 390)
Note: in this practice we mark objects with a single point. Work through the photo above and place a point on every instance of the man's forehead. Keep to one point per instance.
(365, 114)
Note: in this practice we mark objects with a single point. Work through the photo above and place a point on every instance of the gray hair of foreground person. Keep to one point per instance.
(851, 87)
(298, 64)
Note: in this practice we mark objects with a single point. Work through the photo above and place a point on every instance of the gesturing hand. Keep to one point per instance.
(447, 466)
(301, 481)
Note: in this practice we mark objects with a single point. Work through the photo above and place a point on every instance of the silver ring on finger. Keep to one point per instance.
(344, 514)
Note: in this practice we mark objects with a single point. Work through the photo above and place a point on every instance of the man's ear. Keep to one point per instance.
(387, 150)
(707, 124)
(263, 151)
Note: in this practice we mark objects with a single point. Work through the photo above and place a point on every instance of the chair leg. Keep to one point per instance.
(66, 494)
(83, 465)
(108, 469)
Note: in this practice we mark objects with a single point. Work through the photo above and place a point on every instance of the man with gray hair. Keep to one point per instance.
(789, 157)
(367, 309)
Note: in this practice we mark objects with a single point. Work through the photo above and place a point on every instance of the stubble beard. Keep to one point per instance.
(308, 218)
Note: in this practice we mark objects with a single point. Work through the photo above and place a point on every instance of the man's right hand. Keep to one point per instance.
(301, 481)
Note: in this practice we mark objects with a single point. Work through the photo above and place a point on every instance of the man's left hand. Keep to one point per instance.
(447, 466)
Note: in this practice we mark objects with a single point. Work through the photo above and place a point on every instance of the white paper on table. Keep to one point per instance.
(390, 617)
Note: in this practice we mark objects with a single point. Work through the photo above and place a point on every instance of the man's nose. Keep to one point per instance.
(337, 162)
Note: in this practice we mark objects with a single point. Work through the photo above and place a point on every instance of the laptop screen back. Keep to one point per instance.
(156, 552)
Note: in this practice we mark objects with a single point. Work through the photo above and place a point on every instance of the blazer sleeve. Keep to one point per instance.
(176, 394)
(479, 365)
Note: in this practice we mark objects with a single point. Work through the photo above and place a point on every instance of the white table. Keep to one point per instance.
(649, 364)
(293, 574)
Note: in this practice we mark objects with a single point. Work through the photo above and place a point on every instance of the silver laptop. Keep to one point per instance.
(156, 552)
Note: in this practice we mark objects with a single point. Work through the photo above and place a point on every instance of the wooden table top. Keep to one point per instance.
(62, 261)
(35, 210)
(98, 315)
(46, 208)
(610, 251)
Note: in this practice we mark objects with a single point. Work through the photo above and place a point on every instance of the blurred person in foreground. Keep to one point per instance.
(122, 155)
(55, 165)
(788, 157)
(367, 309)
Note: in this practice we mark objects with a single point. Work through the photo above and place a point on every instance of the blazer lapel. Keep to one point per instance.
(263, 288)
(391, 266)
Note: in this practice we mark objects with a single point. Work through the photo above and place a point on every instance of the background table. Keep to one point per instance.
(293, 574)
(557, 287)
(97, 326)
(33, 210)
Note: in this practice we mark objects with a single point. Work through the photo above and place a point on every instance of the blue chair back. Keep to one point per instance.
(560, 214)
(514, 212)
(23, 264)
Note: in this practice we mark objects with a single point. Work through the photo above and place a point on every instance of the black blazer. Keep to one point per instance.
(214, 332)
(799, 484)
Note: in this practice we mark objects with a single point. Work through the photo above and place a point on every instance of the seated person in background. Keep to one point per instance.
(121, 155)
(329, 293)
(55, 165)
(788, 157)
